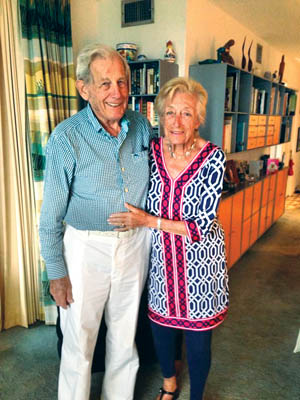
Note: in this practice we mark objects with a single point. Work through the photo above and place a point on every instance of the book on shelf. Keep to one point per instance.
(285, 104)
(292, 104)
(227, 134)
(258, 101)
(254, 95)
(150, 81)
(144, 79)
(261, 107)
(240, 136)
(272, 100)
(229, 93)
(277, 110)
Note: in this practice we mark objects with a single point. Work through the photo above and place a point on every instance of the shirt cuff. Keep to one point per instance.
(193, 231)
(56, 270)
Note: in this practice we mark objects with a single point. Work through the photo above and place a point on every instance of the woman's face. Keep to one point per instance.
(181, 119)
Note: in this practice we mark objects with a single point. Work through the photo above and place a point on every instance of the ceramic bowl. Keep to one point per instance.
(127, 50)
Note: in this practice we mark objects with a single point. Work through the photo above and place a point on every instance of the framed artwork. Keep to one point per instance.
(272, 166)
(298, 140)
(259, 50)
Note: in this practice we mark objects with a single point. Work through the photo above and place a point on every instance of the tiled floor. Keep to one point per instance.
(292, 202)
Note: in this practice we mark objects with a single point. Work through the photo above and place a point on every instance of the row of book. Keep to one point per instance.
(258, 102)
(240, 135)
(259, 99)
(230, 90)
(289, 104)
(146, 108)
(144, 79)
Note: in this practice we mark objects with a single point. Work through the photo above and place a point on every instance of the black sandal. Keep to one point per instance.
(162, 392)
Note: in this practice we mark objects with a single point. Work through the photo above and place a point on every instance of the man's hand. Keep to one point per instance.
(61, 290)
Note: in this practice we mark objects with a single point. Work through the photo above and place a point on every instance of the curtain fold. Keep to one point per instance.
(50, 91)
(19, 272)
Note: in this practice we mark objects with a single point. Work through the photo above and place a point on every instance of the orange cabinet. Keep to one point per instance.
(247, 214)
(257, 131)
(224, 216)
(270, 204)
(236, 228)
(280, 193)
(255, 212)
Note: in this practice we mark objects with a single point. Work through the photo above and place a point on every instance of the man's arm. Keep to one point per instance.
(60, 164)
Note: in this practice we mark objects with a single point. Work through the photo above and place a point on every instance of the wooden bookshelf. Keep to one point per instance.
(147, 77)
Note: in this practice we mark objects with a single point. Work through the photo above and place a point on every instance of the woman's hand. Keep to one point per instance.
(129, 220)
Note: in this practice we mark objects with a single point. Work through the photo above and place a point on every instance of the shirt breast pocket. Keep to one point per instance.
(140, 156)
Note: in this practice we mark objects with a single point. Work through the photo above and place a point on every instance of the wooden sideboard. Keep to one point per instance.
(249, 211)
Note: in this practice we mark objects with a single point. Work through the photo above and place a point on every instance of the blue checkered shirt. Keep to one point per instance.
(89, 175)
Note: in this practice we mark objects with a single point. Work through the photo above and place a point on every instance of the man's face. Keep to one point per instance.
(107, 92)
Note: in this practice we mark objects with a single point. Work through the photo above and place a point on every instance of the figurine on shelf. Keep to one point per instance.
(170, 52)
(274, 75)
(224, 52)
(250, 62)
(243, 55)
(281, 69)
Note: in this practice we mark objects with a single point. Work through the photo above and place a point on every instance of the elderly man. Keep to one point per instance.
(96, 161)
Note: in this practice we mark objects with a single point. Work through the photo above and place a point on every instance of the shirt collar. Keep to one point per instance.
(99, 128)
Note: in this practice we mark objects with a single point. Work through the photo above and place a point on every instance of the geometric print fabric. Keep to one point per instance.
(188, 285)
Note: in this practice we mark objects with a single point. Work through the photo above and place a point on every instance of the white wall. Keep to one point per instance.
(197, 29)
(100, 21)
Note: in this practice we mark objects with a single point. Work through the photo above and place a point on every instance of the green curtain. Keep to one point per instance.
(50, 90)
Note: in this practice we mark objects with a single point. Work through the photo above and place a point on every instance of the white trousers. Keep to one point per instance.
(107, 275)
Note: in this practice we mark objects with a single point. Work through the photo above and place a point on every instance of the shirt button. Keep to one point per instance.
(123, 169)
(126, 190)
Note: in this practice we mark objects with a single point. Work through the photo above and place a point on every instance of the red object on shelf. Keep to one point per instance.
(290, 170)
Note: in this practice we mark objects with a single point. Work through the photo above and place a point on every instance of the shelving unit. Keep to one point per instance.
(147, 77)
(244, 111)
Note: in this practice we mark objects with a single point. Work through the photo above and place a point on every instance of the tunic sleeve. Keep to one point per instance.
(212, 184)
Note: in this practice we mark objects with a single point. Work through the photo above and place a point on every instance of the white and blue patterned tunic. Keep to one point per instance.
(188, 283)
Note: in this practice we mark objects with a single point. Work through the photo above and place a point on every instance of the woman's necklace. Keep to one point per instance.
(187, 153)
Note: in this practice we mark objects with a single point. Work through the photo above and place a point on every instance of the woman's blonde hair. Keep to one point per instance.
(182, 85)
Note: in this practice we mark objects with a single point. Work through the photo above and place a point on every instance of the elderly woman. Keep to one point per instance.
(188, 283)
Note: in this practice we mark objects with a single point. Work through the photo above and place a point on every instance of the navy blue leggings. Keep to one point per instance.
(198, 349)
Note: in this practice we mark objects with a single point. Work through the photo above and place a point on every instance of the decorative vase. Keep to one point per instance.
(250, 62)
(243, 55)
(281, 69)
(127, 50)
(170, 55)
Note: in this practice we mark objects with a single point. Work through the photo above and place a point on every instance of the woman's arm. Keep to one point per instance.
(137, 218)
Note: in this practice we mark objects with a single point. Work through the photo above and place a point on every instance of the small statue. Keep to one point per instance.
(281, 69)
(224, 52)
(170, 52)
(243, 55)
(250, 62)
(274, 75)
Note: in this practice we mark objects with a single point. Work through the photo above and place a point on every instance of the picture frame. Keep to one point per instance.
(272, 166)
(259, 51)
(298, 140)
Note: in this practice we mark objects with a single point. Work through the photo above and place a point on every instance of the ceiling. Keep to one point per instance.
(275, 21)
